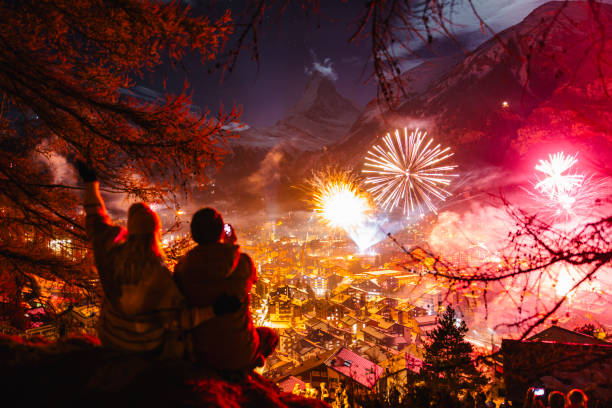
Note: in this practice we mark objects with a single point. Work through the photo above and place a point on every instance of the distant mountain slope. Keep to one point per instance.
(539, 68)
(556, 80)
(262, 163)
(319, 118)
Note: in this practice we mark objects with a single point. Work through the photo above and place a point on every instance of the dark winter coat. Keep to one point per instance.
(134, 316)
(228, 342)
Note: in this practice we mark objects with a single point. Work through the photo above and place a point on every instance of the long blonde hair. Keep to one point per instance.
(135, 256)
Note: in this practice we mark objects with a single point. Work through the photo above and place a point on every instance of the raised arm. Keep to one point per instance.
(97, 220)
(98, 224)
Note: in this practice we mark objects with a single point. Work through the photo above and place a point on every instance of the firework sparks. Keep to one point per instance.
(559, 185)
(338, 200)
(406, 171)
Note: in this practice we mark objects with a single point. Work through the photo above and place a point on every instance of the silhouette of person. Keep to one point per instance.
(214, 267)
(141, 303)
(556, 399)
(532, 400)
(577, 399)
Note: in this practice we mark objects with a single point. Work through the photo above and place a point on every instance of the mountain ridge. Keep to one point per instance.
(527, 65)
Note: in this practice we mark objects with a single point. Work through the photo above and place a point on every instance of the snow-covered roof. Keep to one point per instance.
(354, 366)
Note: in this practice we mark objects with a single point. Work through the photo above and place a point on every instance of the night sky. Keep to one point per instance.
(294, 45)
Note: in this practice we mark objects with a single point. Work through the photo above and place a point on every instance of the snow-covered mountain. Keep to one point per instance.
(263, 162)
(550, 69)
(320, 118)
(546, 80)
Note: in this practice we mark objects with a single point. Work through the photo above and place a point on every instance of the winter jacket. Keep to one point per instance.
(134, 316)
(228, 342)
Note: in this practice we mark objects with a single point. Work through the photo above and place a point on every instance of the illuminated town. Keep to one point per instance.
(306, 204)
(328, 298)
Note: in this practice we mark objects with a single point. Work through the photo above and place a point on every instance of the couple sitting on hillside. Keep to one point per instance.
(204, 305)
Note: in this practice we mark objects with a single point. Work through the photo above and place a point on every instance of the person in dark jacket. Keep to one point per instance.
(215, 267)
(576, 398)
(141, 305)
(556, 399)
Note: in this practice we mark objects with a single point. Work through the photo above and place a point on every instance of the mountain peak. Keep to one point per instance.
(317, 80)
(320, 100)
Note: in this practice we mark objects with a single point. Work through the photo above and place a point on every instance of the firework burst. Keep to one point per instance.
(406, 171)
(564, 194)
(558, 182)
(559, 185)
(338, 200)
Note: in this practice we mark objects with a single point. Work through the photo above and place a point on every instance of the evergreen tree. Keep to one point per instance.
(448, 367)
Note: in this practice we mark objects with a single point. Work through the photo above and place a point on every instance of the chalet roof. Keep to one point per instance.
(405, 306)
(276, 362)
(349, 320)
(312, 363)
(321, 325)
(327, 333)
(312, 321)
(361, 346)
(426, 320)
(354, 366)
(305, 346)
(378, 354)
(381, 321)
(340, 298)
(561, 335)
(288, 384)
(373, 308)
(374, 333)
(558, 366)
(341, 330)
(367, 285)
(342, 288)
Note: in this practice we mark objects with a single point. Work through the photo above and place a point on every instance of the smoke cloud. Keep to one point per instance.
(482, 225)
(324, 68)
(266, 179)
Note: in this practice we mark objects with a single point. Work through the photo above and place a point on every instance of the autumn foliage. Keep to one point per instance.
(66, 68)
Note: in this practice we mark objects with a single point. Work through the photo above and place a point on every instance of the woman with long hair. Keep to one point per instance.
(142, 309)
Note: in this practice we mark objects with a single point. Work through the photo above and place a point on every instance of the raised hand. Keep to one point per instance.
(87, 173)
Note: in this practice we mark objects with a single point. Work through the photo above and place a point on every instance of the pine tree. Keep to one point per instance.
(448, 366)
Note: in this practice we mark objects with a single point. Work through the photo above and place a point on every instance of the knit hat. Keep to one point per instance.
(142, 220)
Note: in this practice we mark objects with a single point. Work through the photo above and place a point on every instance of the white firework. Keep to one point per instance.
(405, 170)
(558, 183)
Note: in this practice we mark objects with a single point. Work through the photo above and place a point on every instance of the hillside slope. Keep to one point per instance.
(78, 373)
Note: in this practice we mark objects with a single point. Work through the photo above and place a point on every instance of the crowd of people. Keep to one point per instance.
(534, 398)
(200, 312)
